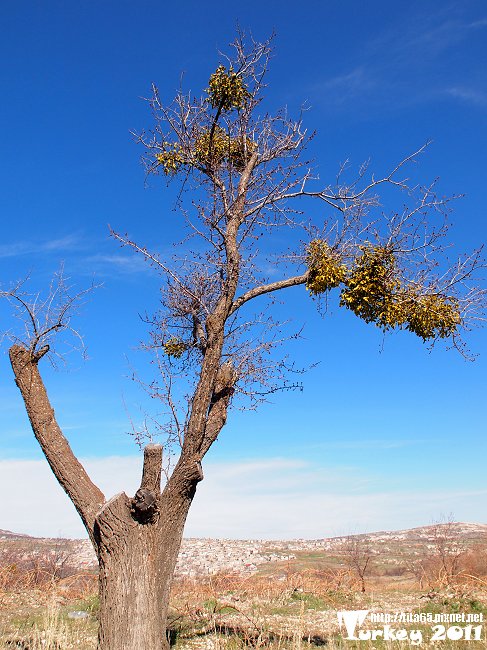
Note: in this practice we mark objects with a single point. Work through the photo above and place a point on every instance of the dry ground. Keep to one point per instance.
(297, 612)
(288, 605)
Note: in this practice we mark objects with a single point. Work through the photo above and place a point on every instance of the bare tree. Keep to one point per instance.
(358, 557)
(448, 549)
(248, 177)
(438, 561)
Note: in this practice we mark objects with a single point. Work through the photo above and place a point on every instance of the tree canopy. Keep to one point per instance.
(244, 177)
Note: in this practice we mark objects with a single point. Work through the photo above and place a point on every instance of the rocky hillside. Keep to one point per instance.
(202, 557)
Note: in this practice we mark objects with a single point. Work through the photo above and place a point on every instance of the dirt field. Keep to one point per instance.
(298, 612)
(410, 577)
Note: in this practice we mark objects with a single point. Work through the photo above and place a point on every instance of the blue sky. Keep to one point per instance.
(386, 434)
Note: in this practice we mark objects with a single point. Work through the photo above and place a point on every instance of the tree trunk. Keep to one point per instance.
(85, 495)
(137, 563)
(137, 542)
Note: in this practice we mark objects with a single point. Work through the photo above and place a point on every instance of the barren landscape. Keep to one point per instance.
(261, 594)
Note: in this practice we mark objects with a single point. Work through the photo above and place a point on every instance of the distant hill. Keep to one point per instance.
(7, 534)
(205, 556)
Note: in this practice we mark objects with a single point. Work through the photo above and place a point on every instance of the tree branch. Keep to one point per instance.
(85, 495)
(268, 288)
(151, 473)
(145, 506)
(217, 413)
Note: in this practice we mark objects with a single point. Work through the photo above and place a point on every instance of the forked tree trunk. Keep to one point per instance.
(132, 583)
(137, 540)
(137, 562)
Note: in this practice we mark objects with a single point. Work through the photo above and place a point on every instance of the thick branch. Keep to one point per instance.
(217, 413)
(84, 494)
(243, 185)
(181, 486)
(216, 421)
(188, 472)
(215, 323)
(151, 473)
(268, 288)
(145, 507)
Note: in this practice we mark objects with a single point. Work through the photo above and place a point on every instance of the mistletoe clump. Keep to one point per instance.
(374, 293)
(433, 316)
(212, 148)
(174, 347)
(325, 268)
(171, 158)
(227, 90)
(372, 288)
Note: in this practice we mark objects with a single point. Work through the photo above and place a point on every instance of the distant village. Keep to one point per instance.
(209, 556)
(201, 557)
(197, 557)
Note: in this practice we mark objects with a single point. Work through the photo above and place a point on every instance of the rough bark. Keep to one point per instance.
(217, 412)
(136, 540)
(84, 494)
(137, 557)
(215, 322)
(137, 563)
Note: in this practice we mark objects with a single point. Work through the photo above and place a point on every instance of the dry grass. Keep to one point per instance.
(299, 612)
(296, 611)
(35, 598)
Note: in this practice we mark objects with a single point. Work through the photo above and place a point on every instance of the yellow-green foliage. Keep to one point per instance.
(209, 150)
(174, 347)
(374, 293)
(371, 287)
(325, 268)
(213, 151)
(171, 158)
(433, 316)
(227, 89)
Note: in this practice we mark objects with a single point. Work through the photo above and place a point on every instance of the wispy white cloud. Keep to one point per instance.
(359, 81)
(119, 263)
(16, 249)
(408, 66)
(476, 24)
(433, 35)
(267, 498)
(473, 96)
